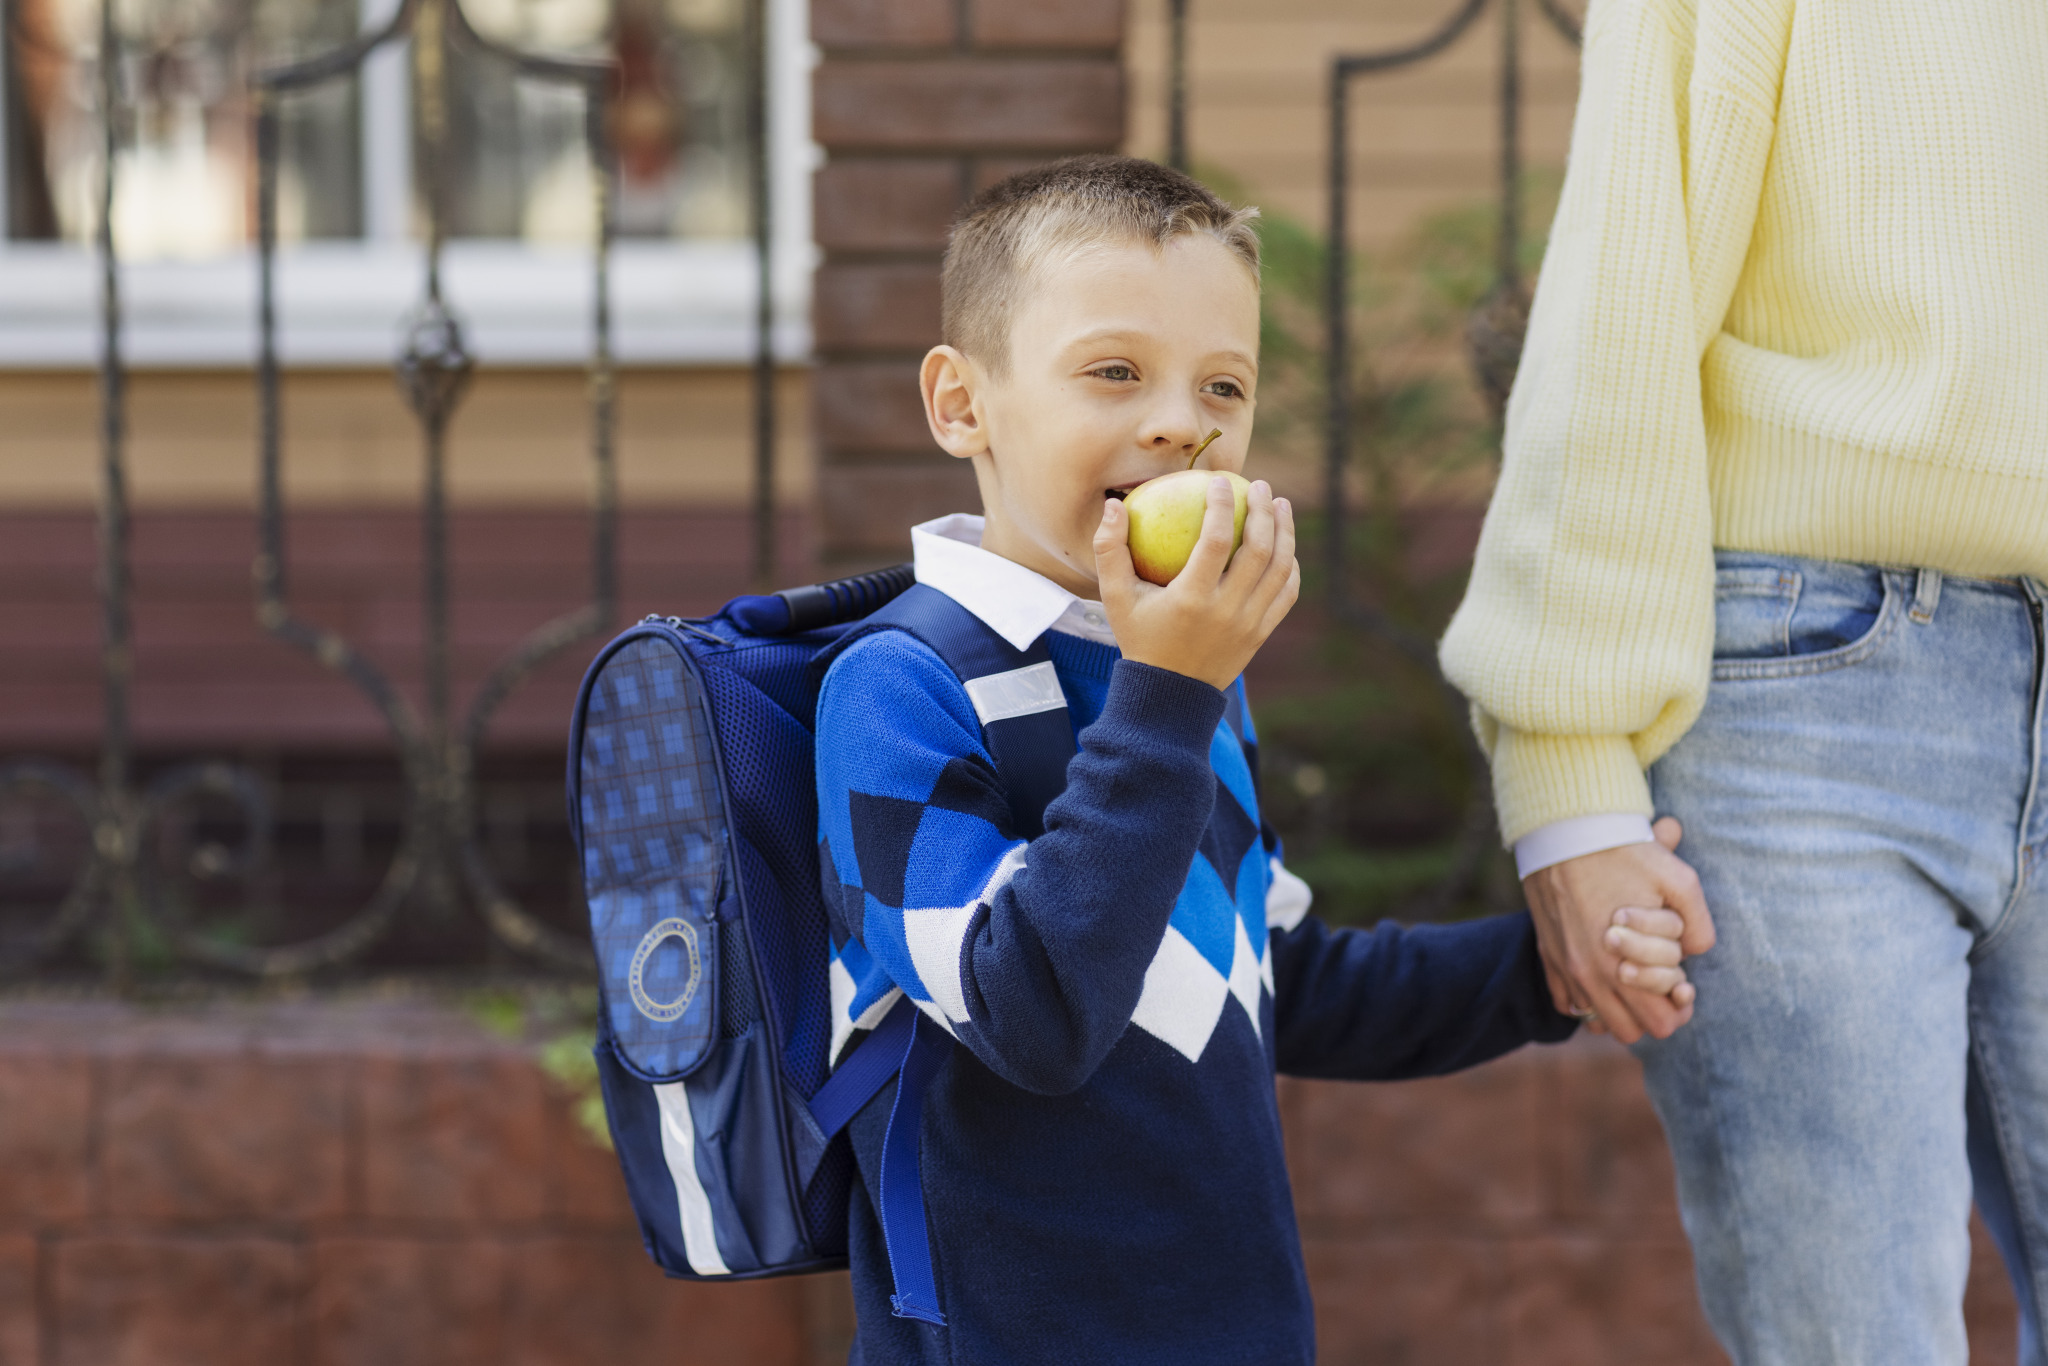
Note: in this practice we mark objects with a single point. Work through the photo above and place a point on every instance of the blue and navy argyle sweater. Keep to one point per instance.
(1101, 1155)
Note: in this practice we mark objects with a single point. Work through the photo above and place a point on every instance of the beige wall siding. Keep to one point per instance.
(1425, 138)
(521, 438)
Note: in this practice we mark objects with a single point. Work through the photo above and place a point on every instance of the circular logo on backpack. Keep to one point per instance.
(665, 1012)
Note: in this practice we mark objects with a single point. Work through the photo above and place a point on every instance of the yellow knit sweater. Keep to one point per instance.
(1795, 300)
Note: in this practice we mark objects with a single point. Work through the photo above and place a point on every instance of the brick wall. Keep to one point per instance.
(918, 104)
(385, 1183)
(207, 676)
(325, 1185)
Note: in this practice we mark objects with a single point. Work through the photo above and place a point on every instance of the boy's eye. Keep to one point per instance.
(1116, 372)
(1224, 388)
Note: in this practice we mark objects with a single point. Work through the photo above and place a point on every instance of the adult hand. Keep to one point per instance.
(1574, 905)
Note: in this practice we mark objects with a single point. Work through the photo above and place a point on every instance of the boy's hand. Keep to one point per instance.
(1217, 612)
(1647, 941)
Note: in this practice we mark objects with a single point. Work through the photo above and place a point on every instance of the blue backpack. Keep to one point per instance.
(692, 799)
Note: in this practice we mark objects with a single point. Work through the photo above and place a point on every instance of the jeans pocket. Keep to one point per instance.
(1787, 618)
(1753, 611)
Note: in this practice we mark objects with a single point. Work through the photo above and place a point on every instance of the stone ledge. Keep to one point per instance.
(386, 1182)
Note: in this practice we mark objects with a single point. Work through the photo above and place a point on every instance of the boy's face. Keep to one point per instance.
(1121, 361)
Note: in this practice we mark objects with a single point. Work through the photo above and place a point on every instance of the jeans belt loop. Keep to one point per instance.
(1926, 596)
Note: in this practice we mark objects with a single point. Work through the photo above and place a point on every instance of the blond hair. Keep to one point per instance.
(1018, 226)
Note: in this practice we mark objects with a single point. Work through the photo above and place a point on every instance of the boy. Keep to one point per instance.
(1101, 1152)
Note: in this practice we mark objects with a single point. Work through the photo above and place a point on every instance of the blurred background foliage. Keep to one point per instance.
(1369, 770)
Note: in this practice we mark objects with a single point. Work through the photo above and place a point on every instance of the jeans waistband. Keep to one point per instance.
(1814, 571)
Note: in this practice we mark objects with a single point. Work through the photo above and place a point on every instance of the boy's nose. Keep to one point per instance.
(1176, 432)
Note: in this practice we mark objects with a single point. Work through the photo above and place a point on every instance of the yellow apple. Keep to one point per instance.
(1166, 520)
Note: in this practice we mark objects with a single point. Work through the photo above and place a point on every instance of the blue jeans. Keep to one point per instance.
(1862, 799)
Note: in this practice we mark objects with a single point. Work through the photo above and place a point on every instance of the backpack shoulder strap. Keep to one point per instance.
(1016, 695)
(1024, 723)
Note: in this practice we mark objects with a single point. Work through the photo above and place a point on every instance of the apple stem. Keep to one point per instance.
(1214, 433)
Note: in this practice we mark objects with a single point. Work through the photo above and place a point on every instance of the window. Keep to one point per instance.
(183, 175)
(516, 186)
(678, 123)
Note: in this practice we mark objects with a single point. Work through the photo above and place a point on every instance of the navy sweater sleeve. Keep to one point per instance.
(1399, 1001)
(1032, 955)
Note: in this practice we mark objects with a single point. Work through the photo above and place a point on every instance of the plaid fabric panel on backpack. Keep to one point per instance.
(653, 850)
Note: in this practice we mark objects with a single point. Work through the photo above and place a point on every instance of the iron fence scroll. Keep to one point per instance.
(1493, 343)
(125, 883)
(440, 850)
(1494, 347)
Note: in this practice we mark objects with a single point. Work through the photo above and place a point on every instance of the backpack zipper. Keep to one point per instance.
(678, 624)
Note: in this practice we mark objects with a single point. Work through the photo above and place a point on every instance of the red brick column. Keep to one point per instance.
(918, 104)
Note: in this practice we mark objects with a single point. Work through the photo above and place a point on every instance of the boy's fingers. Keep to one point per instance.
(1681, 1011)
(1668, 832)
(1219, 530)
(1283, 515)
(1253, 557)
(1285, 571)
(1282, 603)
(1114, 575)
(1683, 995)
(1658, 980)
(1663, 923)
(1648, 950)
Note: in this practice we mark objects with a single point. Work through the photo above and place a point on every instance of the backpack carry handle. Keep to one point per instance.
(795, 610)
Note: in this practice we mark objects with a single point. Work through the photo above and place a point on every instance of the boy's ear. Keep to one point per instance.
(950, 382)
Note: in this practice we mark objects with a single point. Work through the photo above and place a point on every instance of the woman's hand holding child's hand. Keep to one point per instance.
(1217, 612)
(1575, 903)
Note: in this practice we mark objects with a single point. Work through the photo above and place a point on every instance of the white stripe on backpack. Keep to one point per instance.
(1020, 692)
(679, 1147)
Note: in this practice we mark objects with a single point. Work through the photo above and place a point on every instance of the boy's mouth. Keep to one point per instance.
(1121, 491)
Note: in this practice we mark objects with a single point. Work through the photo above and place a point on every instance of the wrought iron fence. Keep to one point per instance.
(133, 878)
(1493, 342)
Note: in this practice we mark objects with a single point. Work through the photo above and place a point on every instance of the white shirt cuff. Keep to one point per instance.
(1569, 838)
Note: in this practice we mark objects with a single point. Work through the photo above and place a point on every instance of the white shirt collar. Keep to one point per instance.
(1018, 604)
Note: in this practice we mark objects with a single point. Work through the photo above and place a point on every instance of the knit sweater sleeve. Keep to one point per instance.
(1031, 953)
(1394, 1001)
(1586, 636)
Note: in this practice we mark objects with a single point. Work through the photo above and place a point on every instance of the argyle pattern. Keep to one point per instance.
(1101, 1157)
(916, 846)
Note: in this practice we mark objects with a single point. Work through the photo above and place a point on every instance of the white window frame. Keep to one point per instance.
(340, 303)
